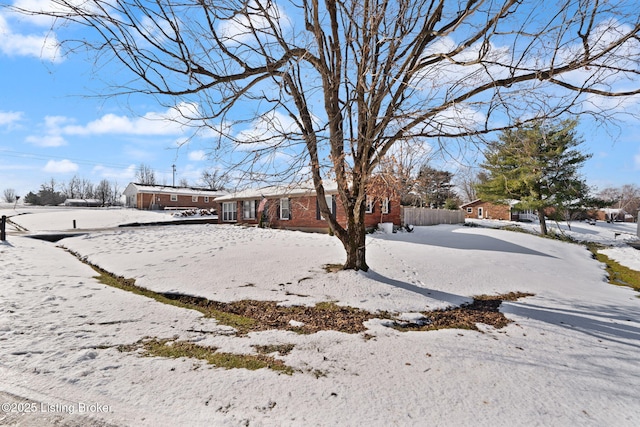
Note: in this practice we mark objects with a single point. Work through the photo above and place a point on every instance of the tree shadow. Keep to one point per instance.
(452, 299)
(607, 323)
(464, 241)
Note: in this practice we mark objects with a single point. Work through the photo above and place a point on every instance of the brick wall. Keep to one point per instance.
(146, 200)
(305, 215)
(489, 211)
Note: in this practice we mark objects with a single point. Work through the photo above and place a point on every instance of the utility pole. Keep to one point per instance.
(174, 175)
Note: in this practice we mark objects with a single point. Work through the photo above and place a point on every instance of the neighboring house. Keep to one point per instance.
(295, 207)
(88, 203)
(613, 215)
(157, 197)
(488, 210)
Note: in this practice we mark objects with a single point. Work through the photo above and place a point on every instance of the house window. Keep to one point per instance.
(285, 211)
(206, 199)
(174, 197)
(249, 209)
(229, 212)
(329, 200)
(469, 210)
(194, 198)
(369, 208)
(385, 205)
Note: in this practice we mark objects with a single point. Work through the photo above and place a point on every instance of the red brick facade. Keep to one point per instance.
(486, 210)
(156, 197)
(164, 201)
(303, 213)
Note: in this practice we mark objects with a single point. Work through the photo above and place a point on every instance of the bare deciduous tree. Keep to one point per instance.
(9, 195)
(330, 87)
(626, 197)
(145, 175)
(86, 189)
(72, 189)
(108, 193)
(214, 180)
(401, 167)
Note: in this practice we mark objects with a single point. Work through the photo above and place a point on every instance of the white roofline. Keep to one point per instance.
(275, 191)
(168, 189)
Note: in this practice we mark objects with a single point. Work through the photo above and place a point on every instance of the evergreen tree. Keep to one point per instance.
(32, 199)
(537, 165)
(434, 186)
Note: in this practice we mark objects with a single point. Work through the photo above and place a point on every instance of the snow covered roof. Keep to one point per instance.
(303, 189)
(134, 188)
(510, 202)
(613, 211)
(82, 201)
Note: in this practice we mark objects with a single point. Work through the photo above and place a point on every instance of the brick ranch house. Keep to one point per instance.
(156, 197)
(612, 215)
(482, 209)
(295, 207)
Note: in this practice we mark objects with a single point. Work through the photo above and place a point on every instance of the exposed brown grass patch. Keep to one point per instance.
(484, 309)
(251, 315)
(266, 315)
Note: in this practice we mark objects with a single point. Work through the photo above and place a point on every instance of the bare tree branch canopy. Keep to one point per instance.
(331, 86)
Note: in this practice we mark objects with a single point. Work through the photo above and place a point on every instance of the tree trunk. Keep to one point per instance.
(353, 238)
(355, 247)
(543, 222)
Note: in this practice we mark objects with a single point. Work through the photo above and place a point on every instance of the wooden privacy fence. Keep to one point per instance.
(424, 216)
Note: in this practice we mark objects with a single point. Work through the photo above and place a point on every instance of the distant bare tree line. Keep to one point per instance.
(53, 193)
(625, 197)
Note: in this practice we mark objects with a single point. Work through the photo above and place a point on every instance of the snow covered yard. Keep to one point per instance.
(570, 356)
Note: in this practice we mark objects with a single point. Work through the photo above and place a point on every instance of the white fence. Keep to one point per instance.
(424, 216)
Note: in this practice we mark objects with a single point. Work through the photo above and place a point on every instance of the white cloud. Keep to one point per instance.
(45, 46)
(55, 122)
(240, 28)
(611, 77)
(174, 121)
(41, 10)
(113, 124)
(267, 130)
(60, 166)
(46, 140)
(36, 6)
(458, 118)
(445, 74)
(8, 118)
(52, 136)
(197, 155)
(622, 104)
(636, 161)
(123, 175)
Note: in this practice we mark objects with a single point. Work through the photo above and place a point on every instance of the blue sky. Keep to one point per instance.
(54, 126)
